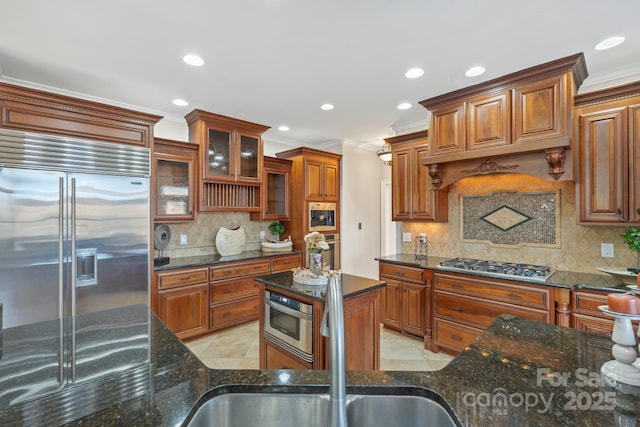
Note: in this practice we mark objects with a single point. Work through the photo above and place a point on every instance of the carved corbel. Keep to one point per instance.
(435, 172)
(556, 157)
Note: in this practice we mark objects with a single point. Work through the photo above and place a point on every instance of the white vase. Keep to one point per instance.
(315, 263)
(230, 241)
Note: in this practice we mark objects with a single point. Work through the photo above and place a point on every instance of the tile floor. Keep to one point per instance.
(237, 348)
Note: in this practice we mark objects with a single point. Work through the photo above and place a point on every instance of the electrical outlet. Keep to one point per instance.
(406, 237)
(606, 250)
(262, 234)
(183, 239)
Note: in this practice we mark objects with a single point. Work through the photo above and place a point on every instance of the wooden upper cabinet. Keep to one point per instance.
(523, 112)
(174, 180)
(231, 149)
(448, 129)
(488, 123)
(276, 191)
(603, 173)
(318, 171)
(413, 197)
(607, 135)
(322, 180)
(37, 111)
(634, 163)
(541, 110)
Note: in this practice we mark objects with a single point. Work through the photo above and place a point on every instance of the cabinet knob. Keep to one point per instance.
(619, 211)
(638, 211)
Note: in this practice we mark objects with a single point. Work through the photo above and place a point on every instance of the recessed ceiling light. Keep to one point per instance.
(414, 73)
(180, 102)
(327, 107)
(192, 59)
(283, 128)
(474, 71)
(609, 43)
(404, 106)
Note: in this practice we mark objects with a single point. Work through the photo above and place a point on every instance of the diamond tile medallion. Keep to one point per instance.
(511, 218)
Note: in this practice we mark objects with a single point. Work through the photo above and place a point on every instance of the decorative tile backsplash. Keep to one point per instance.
(511, 218)
(201, 234)
(578, 246)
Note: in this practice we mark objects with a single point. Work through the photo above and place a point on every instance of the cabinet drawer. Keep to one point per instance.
(454, 336)
(234, 312)
(479, 313)
(172, 279)
(285, 263)
(402, 272)
(227, 271)
(593, 324)
(234, 289)
(537, 297)
(587, 303)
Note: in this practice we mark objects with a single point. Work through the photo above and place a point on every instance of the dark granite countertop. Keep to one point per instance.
(560, 278)
(351, 285)
(143, 375)
(201, 260)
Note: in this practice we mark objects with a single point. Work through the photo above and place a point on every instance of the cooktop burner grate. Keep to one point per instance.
(499, 269)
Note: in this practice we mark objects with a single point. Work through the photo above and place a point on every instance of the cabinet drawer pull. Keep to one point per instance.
(227, 291)
(225, 315)
(458, 309)
(456, 338)
(638, 211)
(619, 211)
(184, 278)
(399, 273)
(457, 285)
(514, 295)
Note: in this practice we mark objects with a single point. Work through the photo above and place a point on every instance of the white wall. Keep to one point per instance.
(361, 173)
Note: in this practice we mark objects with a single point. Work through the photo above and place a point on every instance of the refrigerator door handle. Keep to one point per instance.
(74, 254)
(61, 248)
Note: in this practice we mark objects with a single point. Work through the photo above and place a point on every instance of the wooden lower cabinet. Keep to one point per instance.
(197, 301)
(277, 358)
(185, 310)
(362, 335)
(404, 299)
(586, 315)
(463, 306)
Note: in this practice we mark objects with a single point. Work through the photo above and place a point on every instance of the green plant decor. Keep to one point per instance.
(632, 238)
(276, 228)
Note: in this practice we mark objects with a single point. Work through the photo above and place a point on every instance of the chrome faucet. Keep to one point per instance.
(333, 327)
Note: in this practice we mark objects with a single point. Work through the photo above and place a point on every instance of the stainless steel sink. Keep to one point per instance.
(311, 410)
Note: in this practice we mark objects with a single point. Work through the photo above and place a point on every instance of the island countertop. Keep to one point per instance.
(351, 285)
(517, 372)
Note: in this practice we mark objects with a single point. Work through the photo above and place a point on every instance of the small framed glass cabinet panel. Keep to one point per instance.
(275, 191)
(174, 181)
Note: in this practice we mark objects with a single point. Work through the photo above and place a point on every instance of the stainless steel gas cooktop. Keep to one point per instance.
(537, 273)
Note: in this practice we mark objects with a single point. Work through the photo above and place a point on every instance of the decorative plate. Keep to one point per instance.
(605, 310)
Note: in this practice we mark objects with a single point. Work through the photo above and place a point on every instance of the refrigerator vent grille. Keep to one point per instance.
(39, 151)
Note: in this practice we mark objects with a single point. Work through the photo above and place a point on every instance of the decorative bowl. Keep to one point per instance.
(621, 273)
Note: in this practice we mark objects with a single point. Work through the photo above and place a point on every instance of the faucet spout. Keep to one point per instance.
(333, 327)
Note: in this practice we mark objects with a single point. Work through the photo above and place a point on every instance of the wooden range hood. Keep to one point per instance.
(518, 123)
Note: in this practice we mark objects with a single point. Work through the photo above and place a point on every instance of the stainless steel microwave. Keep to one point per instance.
(322, 216)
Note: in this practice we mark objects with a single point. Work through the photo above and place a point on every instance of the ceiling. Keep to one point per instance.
(275, 62)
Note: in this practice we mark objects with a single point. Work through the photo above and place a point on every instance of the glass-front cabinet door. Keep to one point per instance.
(249, 149)
(275, 194)
(174, 181)
(219, 157)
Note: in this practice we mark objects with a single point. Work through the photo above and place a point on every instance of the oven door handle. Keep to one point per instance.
(287, 310)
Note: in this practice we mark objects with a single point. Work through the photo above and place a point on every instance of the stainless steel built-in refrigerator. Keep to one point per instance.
(74, 240)
(74, 227)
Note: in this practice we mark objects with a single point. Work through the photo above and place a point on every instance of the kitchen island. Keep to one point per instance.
(517, 372)
(361, 298)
